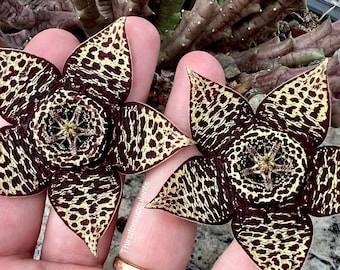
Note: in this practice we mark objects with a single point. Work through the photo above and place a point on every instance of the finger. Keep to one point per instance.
(12, 263)
(144, 42)
(60, 243)
(155, 239)
(54, 45)
(63, 246)
(234, 258)
(3, 122)
(20, 221)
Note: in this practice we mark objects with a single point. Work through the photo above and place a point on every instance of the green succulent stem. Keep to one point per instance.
(169, 15)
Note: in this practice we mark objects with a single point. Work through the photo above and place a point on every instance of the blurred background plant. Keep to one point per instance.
(259, 43)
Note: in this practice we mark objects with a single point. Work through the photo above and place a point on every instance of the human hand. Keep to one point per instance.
(20, 218)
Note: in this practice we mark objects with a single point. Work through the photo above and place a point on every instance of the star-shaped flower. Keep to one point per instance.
(73, 132)
(265, 171)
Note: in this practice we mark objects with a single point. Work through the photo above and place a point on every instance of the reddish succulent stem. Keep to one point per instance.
(266, 80)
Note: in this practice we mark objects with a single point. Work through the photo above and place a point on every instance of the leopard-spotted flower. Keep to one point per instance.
(73, 133)
(264, 170)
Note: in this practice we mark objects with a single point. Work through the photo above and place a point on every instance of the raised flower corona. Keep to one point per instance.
(73, 133)
(264, 170)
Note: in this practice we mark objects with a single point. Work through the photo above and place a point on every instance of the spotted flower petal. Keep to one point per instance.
(217, 113)
(322, 193)
(264, 168)
(275, 240)
(142, 138)
(196, 191)
(300, 107)
(86, 201)
(19, 173)
(102, 65)
(24, 80)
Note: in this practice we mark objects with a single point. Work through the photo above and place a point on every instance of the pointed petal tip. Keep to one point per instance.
(186, 141)
(193, 75)
(98, 191)
(300, 106)
(190, 71)
(93, 247)
(152, 205)
(275, 239)
(194, 192)
(149, 135)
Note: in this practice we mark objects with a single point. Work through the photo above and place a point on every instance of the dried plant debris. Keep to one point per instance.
(80, 134)
(263, 170)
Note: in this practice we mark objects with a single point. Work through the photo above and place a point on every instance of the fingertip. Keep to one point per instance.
(144, 43)
(204, 64)
(54, 45)
(235, 258)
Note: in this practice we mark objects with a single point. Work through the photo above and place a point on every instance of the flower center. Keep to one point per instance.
(266, 166)
(70, 129)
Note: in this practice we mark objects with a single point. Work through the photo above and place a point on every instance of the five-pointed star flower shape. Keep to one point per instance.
(265, 171)
(74, 133)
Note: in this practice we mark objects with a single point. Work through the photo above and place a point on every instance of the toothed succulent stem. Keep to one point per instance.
(16, 15)
(127, 7)
(274, 53)
(191, 26)
(89, 17)
(231, 24)
(169, 15)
